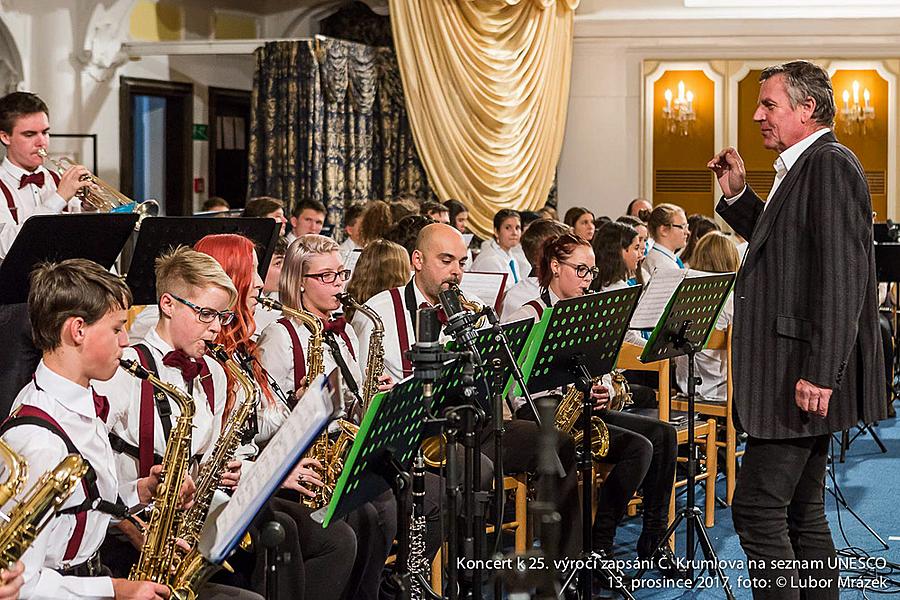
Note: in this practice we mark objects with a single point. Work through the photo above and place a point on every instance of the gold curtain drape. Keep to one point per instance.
(487, 87)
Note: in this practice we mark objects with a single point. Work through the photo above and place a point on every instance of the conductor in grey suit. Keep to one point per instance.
(807, 356)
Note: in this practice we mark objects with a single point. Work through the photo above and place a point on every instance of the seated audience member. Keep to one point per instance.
(699, 225)
(528, 217)
(496, 255)
(374, 222)
(406, 230)
(215, 204)
(669, 229)
(267, 207)
(403, 207)
(78, 312)
(581, 220)
(532, 240)
(714, 253)
(436, 211)
(637, 206)
(350, 247)
(459, 215)
(262, 315)
(308, 216)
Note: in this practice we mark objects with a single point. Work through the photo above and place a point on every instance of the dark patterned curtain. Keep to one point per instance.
(328, 122)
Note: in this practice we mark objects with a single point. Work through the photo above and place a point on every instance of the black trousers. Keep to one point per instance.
(375, 525)
(520, 446)
(779, 514)
(643, 450)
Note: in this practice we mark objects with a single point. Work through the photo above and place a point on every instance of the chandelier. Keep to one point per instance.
(855, 117)
(678, 113)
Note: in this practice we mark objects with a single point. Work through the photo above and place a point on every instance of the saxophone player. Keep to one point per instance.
(643, 449)
(312, 275)
(317, 562)
(78, 315)
(195, 298)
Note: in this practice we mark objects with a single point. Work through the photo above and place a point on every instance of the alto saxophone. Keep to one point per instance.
(223, 452)
(157, 557)
(330, 453)
(375, 360)
(568, 413)
(29, 517)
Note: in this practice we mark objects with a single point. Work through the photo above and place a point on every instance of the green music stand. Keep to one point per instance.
(683, 329)
(576, 340)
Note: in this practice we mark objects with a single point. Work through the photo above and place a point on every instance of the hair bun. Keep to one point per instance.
(644, 214)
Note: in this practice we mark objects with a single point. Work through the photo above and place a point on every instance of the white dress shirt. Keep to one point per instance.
(494, 259)
(30, 200)
(519, 294)
(276, 354)
(124, 393)
(263, 317)
(660, 257)
(72, 407)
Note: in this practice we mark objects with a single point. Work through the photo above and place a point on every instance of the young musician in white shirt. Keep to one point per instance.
(311, 278)
(78, 313)
(26, 187)
(532, 240)
(642, 449)
(496, 255)
(669, 230)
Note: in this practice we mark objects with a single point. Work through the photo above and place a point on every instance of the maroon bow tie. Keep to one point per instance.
(101, 405)
(336, 325)
(441, 315)
(35, 178)
(189, 367)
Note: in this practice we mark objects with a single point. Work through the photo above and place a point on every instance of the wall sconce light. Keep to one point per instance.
(855, 117)
(679, 111)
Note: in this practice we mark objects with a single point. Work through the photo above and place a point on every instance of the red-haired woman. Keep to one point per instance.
(324, 556)
(642, 449)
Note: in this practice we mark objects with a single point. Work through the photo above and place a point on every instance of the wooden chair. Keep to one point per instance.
(628, 359)
(519, 483)
(721, 340)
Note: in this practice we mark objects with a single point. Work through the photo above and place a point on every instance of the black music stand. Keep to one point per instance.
(683, 329)
(95, 236)
(159, 235)
(381, 458)
(581, 337)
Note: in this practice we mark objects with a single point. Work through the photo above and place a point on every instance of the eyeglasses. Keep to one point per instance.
(684, 226)
(582, 271)
(330, 276)
(208, 315)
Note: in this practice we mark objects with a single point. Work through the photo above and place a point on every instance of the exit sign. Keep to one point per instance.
(200, 132)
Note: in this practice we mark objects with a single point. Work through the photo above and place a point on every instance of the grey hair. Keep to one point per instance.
(803, 80)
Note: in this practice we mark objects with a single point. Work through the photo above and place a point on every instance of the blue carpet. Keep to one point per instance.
(870, 483)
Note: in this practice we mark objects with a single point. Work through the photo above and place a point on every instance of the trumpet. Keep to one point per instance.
(103, 197)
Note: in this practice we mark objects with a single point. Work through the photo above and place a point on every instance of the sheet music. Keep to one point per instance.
(309, 417)
(484, 287)
(657, 294)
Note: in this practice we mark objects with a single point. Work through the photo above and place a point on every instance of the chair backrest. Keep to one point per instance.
(628, 359)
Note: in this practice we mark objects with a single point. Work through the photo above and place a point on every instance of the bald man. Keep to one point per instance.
(636, 206)
(438, 261)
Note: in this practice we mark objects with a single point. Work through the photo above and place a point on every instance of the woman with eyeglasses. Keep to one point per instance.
(311, 277)
(669, 231)
(642, 449)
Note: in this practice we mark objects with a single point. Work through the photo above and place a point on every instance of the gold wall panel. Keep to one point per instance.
(679, 161)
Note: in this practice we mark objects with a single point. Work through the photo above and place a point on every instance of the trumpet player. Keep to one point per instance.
(27, 187)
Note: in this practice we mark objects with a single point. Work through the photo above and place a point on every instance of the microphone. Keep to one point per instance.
(460, 323)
